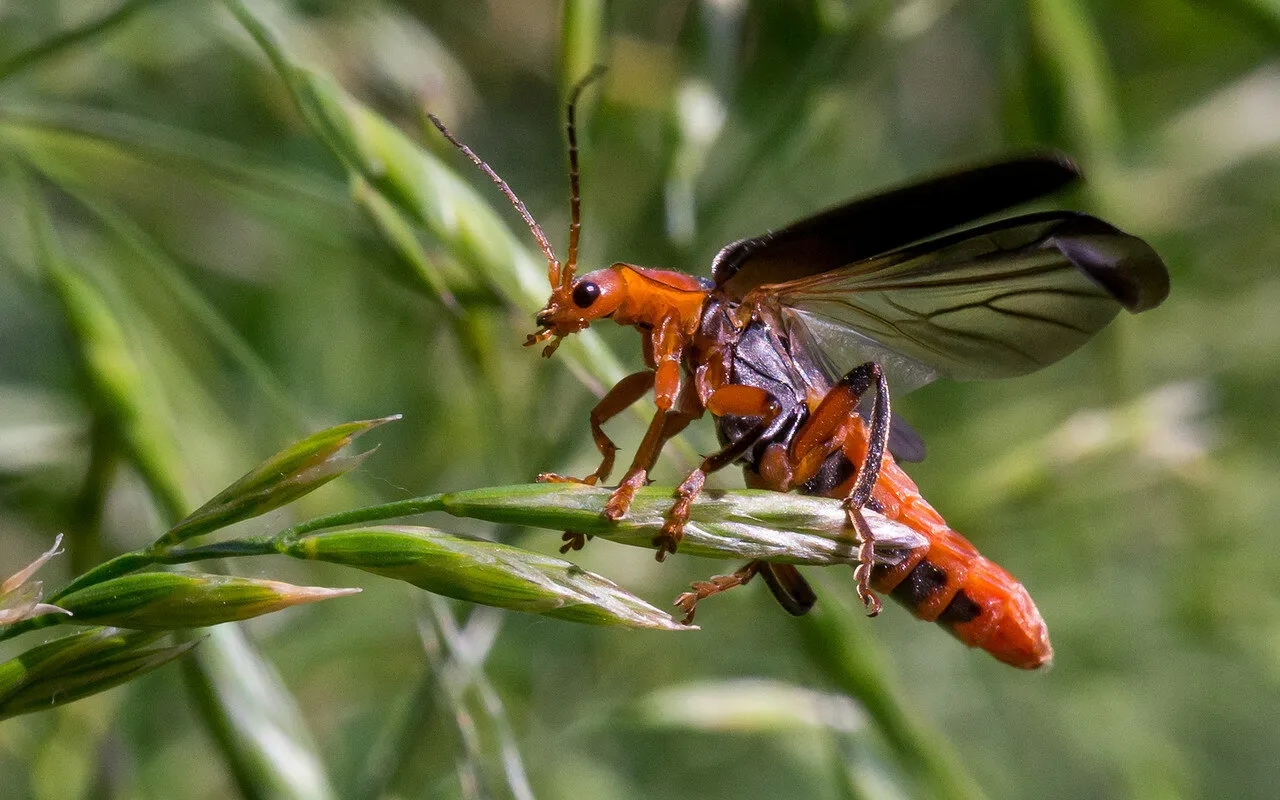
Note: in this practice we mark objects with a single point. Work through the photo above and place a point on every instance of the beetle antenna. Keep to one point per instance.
(553, 264)
(575, 200)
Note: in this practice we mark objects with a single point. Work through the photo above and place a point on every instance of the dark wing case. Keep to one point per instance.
(877, 224)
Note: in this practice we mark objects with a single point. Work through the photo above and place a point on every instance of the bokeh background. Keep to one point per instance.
(1131, 487)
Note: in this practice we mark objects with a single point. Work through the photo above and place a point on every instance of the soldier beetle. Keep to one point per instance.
(797, 326)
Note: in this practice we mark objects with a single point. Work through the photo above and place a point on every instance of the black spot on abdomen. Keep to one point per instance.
(920, 584)
(961, 609)
(834, 471)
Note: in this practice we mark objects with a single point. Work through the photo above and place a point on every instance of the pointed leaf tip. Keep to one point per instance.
(293, 472)
(173, 600)
(20, 595)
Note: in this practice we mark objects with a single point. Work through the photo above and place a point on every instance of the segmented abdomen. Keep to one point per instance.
(950, 582)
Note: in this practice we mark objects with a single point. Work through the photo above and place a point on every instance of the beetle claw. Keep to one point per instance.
(574, 540)
(666, 542)
(552, 477)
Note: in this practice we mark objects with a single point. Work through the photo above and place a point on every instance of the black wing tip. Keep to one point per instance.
(1126, 266)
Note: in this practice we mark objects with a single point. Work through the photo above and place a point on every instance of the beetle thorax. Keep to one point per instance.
(650, 296)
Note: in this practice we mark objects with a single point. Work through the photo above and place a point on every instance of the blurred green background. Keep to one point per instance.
(240, 268)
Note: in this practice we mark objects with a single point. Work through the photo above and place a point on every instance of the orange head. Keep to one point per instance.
(574, 305)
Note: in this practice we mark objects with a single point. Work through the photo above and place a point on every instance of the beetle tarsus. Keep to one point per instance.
(866, 556)
(701, 590)
(553, 477)
(673, 529)
(574, 540)
(666, 542)
(620, 501)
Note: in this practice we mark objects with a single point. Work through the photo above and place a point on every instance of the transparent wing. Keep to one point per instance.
(997, 301)
(814, 363)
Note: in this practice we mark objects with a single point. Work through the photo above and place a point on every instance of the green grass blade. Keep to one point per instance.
(114, 379)
(581, 31)
(48, 50)
(837, 639)
(480, 571)
(254, 720)
(1081, 88)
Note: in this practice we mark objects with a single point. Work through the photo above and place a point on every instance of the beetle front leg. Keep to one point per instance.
(622, 395)
(638, 475)
(677, 406)
(673, 422)
(616, 400)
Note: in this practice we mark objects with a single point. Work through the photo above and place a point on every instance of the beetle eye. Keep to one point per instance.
(584, 294)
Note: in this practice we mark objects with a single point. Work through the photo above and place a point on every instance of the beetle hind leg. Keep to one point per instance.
(701, 590)
(836, 427)
(789, 588)
(866, 555)
(859, 380)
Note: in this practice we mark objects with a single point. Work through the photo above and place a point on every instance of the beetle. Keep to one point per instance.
(797, 327)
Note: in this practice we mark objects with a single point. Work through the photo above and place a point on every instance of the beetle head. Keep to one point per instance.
(574, 305)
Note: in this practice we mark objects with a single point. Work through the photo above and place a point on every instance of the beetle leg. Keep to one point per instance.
(623, 394)
(866, 554)
(701, 590)
(574, 540)
(664, 425)
(637, 475)
(831, 424)
(616, 400)
(789, 588)
(786, 583)
(736, 400)
(860, 379)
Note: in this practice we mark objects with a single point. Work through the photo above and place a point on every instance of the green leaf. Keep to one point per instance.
(49, 49)
(485, 572)
(109, 365)
(399, 233)
(748, 705)
(581, 29)
(1081, 78)
(255, 720)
